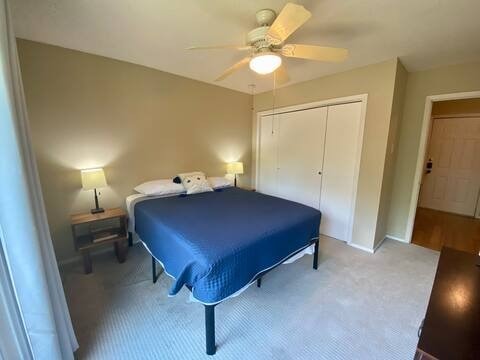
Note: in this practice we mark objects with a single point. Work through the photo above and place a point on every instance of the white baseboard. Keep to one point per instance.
(78, 257)
(364, 248)
(68, 261)
(371, 251)
(379, 244)
(396, 238)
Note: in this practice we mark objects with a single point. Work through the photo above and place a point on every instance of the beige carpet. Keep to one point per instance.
(356, 306)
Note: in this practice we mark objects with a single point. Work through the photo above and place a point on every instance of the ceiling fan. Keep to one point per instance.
(266, 43)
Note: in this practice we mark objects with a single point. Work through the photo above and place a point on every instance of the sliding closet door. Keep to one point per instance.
(341, 148)
(267, 169)
(301, 136)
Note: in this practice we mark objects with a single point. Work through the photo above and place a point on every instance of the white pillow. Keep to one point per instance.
(219, 182)
(195, 182)
(160, 187)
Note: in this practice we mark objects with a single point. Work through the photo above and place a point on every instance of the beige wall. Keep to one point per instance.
(138, 123)
(455, 107)
(391, 155)
(141, 124)
(450, 79)
(378, 82)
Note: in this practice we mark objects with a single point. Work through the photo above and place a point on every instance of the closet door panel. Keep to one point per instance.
(343, 126)
(267, 170)
(301, 136)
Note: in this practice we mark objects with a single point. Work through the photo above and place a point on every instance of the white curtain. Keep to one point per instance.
(25, 237)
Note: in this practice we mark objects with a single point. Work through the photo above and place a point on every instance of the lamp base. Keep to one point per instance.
(97, 210)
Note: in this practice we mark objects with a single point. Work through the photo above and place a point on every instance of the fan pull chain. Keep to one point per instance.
(274, 93)
(252, 87)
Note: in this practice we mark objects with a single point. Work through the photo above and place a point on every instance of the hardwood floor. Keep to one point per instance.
(434, 229)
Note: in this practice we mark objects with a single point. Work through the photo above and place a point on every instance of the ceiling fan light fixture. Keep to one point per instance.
(265, 63)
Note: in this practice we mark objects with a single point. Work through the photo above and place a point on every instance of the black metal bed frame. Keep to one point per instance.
(210, 309)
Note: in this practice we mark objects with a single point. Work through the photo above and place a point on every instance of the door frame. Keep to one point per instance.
(422, 151)
(361, 98)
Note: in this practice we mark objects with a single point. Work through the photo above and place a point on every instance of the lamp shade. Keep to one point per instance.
(93, 179)
(235, 168)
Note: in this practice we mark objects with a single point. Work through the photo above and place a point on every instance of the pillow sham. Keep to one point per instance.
(195, 182)
(160, 187)
(219, 182)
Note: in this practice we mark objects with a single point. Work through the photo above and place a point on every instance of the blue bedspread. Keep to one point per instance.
(217, 242)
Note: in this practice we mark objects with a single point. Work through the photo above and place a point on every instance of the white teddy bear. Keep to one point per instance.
(195, 182)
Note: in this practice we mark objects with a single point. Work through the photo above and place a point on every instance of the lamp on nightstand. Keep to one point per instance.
(92, 179)
(235, 168)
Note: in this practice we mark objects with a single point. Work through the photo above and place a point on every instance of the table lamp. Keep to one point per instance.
(92, 179)
(235, 168)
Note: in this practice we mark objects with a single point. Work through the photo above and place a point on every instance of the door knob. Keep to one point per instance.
(319, 173)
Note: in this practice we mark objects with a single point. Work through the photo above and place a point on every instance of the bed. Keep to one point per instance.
(218, 243)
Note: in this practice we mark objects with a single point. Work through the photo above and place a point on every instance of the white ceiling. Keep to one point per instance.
(155, 33)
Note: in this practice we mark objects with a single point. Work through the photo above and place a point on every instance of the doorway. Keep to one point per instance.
(448, 209)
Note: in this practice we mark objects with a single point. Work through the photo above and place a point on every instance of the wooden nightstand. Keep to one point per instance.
(93, 230)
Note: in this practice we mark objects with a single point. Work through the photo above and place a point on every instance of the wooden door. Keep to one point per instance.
(453, 183)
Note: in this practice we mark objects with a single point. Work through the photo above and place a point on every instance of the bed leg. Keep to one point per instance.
(154, 270)
(259, 282)
(315, 255)
(210, 329)
(130, 239)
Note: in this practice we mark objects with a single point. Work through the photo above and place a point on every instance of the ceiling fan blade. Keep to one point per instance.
(290, 19)
(220, 47)
(312, 52)
(233, 68)
(281, 75)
